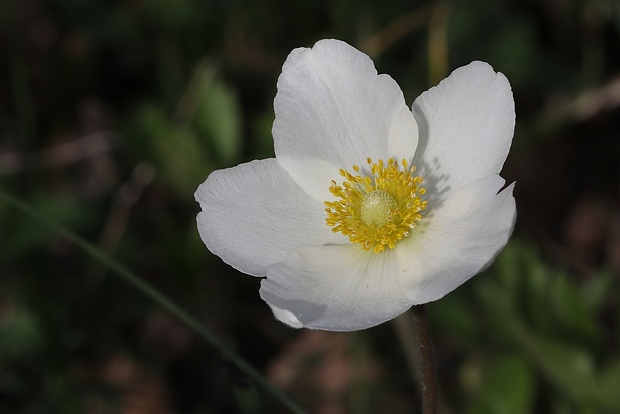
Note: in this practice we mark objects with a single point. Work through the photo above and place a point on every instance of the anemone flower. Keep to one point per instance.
(368, 207)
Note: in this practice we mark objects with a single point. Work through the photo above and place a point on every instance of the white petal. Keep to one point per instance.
(332, 106)
(457, 240)
(286, 316)
(254, 213)
(338, 288)
(466, 126)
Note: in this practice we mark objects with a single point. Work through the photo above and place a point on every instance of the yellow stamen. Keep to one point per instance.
(377, 210)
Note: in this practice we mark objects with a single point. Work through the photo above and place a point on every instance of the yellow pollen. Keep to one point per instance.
(376, 210)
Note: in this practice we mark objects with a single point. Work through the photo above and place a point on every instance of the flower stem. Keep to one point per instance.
(157, 297)
(426, 359)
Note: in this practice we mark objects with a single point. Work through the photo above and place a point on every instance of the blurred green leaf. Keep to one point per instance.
(180, 156)
(507, 387)
(566, 366)
(218, 117)
(572, 370)
(205, 131)
(609, 383)
(549, 317)
(572, 312)
(597, 289)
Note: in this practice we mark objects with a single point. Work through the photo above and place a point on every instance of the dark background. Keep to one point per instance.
(113, 112)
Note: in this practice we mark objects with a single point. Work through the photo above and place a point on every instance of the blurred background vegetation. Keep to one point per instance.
(113, 112)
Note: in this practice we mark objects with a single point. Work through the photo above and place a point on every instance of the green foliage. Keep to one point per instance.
(506, 387)
(178, 154)
(546, 330)
(204, 132)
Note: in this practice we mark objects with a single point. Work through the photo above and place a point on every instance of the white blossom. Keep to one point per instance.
(368, 207)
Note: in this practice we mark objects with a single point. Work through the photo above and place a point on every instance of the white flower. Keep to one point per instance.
(368, 207)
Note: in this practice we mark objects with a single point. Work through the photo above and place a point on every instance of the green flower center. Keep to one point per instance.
(377, 208)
